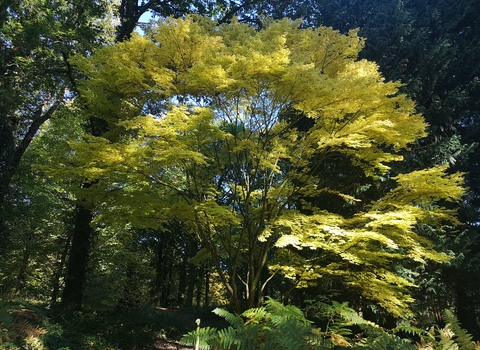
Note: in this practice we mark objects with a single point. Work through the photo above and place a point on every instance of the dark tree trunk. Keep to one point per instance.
(192, 280)
(4, 236)
(12, 153)
(199, 287)
(21, 278)
(207, 287)
(58, 273)
(78, 261)
(192, 273)
(167, 286)
(182, 281)
(159, 276)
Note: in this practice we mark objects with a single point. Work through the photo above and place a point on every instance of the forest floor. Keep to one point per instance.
(168, 345)
(142, 327)
(171, 344)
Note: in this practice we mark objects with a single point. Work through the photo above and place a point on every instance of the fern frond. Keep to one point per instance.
(462, 337)
(409, 329)
(203, 336)
(235, 320)
(255, 316)
(285, 311)
(226, 338)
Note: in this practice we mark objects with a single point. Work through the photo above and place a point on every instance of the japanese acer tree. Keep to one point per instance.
(229, 128)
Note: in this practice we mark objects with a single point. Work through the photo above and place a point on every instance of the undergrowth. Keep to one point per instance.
(274, 326)
(24, 325)
(278, 327)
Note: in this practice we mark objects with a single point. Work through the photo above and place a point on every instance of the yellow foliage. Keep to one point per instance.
(200, 132)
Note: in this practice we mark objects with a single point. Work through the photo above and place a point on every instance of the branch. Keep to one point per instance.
(229, 15)
(39, 118)
(69, 72)
(267, 280)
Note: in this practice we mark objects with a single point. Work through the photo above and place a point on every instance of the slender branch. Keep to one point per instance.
(268, 280)
(229, 15)
(69, 72)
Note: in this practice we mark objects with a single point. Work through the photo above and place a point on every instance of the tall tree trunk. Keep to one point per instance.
(59, 271)
(199, 286)
(21, 278)
(159, 276)
(167, 286)
(192, 272)
(192, 281)
(78, 261)
(182, 281)
(4, 236)
(207, 287)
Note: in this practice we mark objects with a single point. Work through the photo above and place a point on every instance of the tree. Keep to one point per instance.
(39, 241)
(36, 40)
(198, 133)
(432, 46)
(129, 13)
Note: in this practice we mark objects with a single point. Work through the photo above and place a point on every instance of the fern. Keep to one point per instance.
(278, 327)
(451, 337)
(235, 320)
(462, 338)
(201, 336)
(226, 338)
(342, 317)
(271, 327)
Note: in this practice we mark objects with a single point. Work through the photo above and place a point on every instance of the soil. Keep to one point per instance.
(170, 345)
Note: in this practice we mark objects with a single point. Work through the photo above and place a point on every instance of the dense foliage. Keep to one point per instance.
(197, 134)
(222, 160)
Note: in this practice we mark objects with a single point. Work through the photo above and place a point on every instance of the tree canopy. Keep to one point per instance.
(204, 127)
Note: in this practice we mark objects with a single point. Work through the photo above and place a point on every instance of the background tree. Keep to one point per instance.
(34, 263)
(36, 40)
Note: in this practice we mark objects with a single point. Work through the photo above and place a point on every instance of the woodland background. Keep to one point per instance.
(65, 279)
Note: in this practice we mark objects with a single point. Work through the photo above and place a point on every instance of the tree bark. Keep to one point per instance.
(207, 287)
(59, 271)
(159, 276)
(192, 281)
(182, 281)
(199, 287)
(78, 261)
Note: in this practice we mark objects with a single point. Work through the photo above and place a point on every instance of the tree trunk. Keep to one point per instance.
(21, 278)
(58, 272)
(12, 153)
(199, 287)
(192, 272)
(192, 280)
(207, 287)
(78, 261)
(159, 276)
(4, 236)
(169, 281)
(182, 281)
